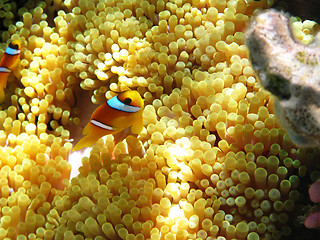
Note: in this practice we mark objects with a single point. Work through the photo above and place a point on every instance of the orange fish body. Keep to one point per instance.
(118, 113)
(8, 63)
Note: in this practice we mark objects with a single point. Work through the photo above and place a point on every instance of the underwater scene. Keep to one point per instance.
(159, 120)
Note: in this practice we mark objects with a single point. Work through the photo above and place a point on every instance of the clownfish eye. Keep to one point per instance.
(14, 46)
(127, 101)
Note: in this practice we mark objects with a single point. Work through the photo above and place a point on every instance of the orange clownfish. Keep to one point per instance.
(8, 63)
(116, 114)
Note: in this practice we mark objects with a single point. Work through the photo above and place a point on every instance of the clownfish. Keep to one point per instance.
(8, 63)
(115, 115)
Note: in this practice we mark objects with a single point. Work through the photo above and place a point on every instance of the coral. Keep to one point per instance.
(289, 70)
(211, 162)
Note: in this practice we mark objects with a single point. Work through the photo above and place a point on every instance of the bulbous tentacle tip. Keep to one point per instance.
(314, 192)
(313, 220)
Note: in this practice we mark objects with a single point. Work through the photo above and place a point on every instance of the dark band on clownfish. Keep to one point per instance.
(101, 125)
(116, 104)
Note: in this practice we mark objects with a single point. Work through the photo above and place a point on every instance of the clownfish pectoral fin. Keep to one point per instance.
(15, 64)
(137, 126)
(17, 69)
(3, 83)
(86, 141)
(1, 95)
(93, 131)
(86, 129)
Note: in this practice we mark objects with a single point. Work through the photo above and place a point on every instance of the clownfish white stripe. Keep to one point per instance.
(12, 51)
(115, 103)
(5, 70)
(101, 125)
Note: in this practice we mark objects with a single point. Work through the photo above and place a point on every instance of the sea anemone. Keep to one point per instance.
(212, 161)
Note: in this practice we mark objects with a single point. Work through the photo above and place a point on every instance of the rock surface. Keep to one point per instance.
(289, 70)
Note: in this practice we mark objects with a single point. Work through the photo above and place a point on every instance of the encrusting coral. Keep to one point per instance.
(211, 162)
(289, 70)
